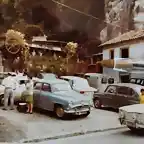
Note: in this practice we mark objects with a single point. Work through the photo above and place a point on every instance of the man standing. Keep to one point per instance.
(10, 85)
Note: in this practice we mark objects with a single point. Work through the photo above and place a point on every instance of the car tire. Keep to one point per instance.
(97, 103)
(85, 115)
(59, 111)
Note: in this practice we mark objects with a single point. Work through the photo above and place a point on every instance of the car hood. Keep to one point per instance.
(137, 108)
(71, 96)
(87, 89)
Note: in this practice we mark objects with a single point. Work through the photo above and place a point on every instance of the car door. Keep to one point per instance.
(133, 97)
(109, 94)
(37, 93)
(45, 97)
(122, 96)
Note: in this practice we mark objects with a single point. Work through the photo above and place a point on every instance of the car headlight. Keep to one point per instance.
(70, 104)
(134, 116)
(121, 114)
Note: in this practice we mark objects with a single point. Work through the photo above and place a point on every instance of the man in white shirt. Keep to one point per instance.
(10, 84)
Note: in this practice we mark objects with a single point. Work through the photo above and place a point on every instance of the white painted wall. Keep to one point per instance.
(135, 51)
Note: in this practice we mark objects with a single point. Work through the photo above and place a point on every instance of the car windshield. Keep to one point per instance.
(60, 87)
(81, 83)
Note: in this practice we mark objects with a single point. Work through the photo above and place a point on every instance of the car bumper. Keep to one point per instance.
(78, 112)
(133, 124)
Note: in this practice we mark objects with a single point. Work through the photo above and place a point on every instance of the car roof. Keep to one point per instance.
(128, 85)
(53, 81)
(93, 74)
(73, 78)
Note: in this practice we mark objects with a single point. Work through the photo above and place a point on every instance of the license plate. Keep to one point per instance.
(131, 124)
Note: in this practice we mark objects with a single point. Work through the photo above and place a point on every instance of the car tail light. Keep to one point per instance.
(81, 92)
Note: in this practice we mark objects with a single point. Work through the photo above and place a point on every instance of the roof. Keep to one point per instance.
(133, 86)
(53, 81)
(131, 35)
(73, 77)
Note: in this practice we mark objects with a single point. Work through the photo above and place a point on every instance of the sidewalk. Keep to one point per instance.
(39, 127)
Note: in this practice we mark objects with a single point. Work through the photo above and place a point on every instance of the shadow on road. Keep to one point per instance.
(133, 134)
(52, 115)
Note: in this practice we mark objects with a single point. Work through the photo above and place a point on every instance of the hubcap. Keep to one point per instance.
(60, 112)
(97, 103)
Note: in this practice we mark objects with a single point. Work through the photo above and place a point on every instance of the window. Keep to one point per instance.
(124, 53)
(38, 86)
(104, 80)
(46, 87)
(110, 80)
(111, 89)
(123, 90)
(111, 54)
(132, 92)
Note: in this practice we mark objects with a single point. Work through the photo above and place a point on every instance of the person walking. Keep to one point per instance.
(29, 94)
(10, 85)
(142, 96)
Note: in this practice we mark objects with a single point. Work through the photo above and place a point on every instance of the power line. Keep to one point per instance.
(86, 14)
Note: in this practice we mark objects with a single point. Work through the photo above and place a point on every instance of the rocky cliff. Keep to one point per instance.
(122, 16)
(54, 17)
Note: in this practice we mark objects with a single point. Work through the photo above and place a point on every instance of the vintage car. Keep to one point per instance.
(118, 95)
(57, 95)
(80, 85)
(132, 116)
(47, 76)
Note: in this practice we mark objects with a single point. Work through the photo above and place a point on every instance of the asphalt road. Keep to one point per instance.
(113, 137)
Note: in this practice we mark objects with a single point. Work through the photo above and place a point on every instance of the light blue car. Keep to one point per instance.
(57, 95)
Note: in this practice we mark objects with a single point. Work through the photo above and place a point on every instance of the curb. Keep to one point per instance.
(37, 140)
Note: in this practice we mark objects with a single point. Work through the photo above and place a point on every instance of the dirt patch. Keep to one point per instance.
(10, 132)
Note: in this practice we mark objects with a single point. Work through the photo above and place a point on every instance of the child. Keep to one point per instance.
(142, 96)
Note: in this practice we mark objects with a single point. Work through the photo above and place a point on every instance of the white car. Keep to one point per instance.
(80, 85)
(132, 116)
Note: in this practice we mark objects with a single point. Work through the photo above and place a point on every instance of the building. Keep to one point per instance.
(127, 45)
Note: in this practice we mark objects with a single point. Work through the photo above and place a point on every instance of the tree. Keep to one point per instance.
(16, 43)
(70, 50)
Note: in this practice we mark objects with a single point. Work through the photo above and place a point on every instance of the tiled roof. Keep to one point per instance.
(131, 35)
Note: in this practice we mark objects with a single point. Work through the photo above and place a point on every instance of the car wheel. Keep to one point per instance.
(85, 115)
(59, 111)
(97, 103)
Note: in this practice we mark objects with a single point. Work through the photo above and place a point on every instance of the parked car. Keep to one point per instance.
(99, 81)
(56, 95)
(132, 116)
(80, 85)
(139, 81)
(118, 95)
(17, 92)
(47, 76)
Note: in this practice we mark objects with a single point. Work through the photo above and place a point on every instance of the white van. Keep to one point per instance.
(99, 81)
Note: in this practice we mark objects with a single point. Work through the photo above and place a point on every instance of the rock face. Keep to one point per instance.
(122, 16)
(58, 18)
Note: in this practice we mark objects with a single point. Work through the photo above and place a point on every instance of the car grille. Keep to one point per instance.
(129, 116)
(81, 107)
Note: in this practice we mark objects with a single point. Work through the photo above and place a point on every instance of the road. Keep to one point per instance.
(113, 137)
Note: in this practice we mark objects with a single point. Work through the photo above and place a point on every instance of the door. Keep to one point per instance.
(122, 96)
(109, 95)
(133, 97)
(36, 94)
(45, 97)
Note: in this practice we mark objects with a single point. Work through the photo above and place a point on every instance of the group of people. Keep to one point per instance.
(11, 83)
